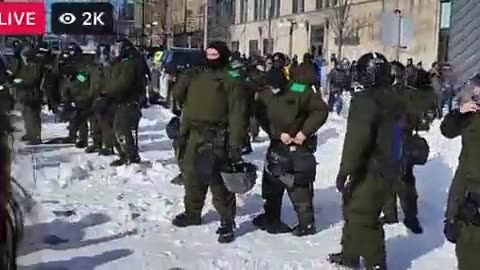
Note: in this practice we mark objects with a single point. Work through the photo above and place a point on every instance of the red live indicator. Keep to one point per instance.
(22, 18)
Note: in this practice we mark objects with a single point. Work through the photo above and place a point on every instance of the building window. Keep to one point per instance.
(446, 9)
(243, 11)
(255, 10)
(232, 10)
(253, 47)
(267, 46)
(327, 3)
(263, 12)
(318, 4)
(334, 3)
(298, 6)
(235, 46)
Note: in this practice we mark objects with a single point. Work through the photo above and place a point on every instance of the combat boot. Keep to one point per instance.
(272, 225)
(302, 230)
(134, 160)
(225, 232)
(339, 259)
(105, 152)
(119, 162)
(92, 149)
(24, 138)
(81, 144)
(177, 180)
(184, 220)
(413, 224)
(388, 220)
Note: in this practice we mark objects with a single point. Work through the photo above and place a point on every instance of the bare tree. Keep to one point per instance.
(339, 23)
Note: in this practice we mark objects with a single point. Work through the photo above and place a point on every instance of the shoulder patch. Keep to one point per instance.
(298, 87)
(233, 74)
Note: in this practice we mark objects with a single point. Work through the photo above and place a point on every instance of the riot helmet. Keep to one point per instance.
(74, 50)
(239, 178)
(43, 53)
(279, 165)
(123, 48)
(373, 70)
(103, 54)
(398, 73)
(279, 60)
(422, 79)
(27, 53)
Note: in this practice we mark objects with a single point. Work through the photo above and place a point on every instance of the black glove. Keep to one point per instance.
(142, 101)
(235, 155)
(451, 231)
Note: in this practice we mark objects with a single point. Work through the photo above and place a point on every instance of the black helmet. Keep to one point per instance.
(279, 60)
(422, 79)
(373, 70)
(123, 48)
(27, 50)
(398, 73)
(103, 53)
(280, 166)
(74, 49)
(240, 178)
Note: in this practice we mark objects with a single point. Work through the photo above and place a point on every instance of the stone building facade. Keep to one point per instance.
(297, 26)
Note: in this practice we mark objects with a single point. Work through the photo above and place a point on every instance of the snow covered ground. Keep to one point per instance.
(86, 215)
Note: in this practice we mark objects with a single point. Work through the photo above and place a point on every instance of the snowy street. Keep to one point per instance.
(86, 215)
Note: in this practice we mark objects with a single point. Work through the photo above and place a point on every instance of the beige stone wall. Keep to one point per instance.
(367, 14)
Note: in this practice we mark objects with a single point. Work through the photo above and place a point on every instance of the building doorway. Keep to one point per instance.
(317, 39)
(444, 35)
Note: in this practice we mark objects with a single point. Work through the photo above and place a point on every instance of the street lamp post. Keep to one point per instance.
(293, 23)
(149, 28)
(154, 24)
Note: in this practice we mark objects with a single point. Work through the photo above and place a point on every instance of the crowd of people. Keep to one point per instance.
(221, 107)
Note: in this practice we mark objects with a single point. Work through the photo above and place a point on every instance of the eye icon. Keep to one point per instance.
(67, 18)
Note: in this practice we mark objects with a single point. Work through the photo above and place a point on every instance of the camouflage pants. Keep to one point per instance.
(78, 127)
(467, 247)
(196, 188)
(361, 211)
(406, 191)
(32, 122)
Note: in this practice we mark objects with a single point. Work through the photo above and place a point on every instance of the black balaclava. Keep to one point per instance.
(218, 55)
(276, 80)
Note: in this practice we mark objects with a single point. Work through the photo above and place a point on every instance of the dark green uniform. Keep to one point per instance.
(369, 160)
(76, 90)
(213, 115)
(292, 111)
(465, 187)
(419, 103)
(123, 93)
(30, 96)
